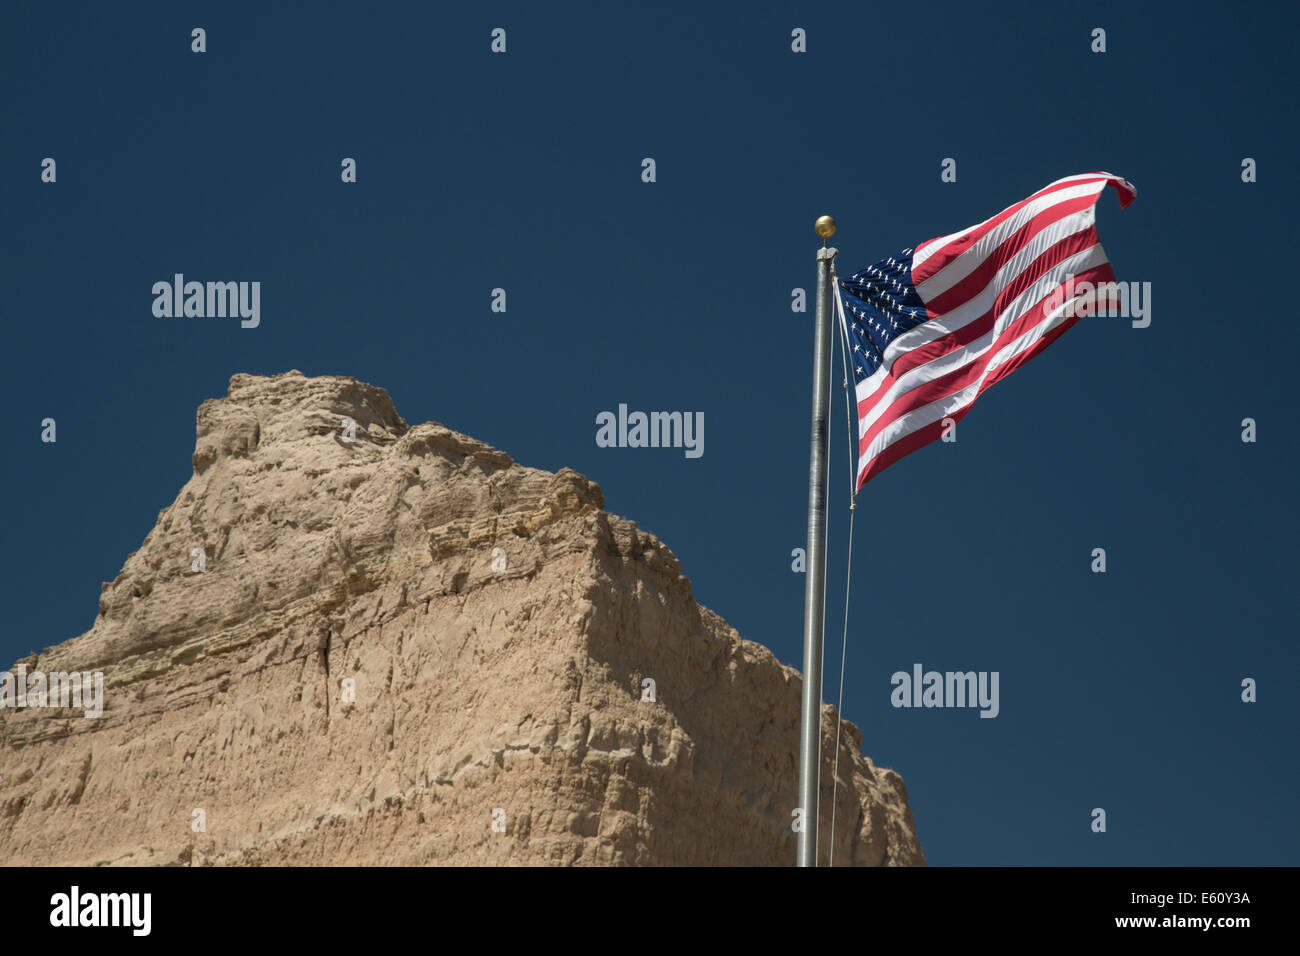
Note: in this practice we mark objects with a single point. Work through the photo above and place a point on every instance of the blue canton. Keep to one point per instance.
(880, 304)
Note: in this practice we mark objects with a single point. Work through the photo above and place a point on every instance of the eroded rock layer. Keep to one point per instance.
(408, 649)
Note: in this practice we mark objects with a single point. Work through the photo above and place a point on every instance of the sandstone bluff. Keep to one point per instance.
(367, 569)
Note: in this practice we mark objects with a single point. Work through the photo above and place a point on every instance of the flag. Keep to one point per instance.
(932, 327)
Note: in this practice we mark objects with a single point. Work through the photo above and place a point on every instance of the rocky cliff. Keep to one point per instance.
(405, 649)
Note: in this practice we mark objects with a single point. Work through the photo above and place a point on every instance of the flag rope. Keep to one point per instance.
(848, 578)
(848, 406)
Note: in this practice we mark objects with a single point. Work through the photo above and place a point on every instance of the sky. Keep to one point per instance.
(523, 171)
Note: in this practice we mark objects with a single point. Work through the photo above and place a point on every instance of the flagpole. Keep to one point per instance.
(810, 750)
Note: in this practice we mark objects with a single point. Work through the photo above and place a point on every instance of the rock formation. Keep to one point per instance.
(408, 649)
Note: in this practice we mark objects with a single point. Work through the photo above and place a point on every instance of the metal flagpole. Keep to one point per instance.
(810, 749)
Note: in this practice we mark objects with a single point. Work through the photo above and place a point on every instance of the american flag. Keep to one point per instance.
(931, 328)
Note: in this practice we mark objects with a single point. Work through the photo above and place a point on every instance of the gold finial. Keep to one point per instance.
(825, 227)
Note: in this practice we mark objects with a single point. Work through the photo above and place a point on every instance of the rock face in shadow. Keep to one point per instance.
(408, 649)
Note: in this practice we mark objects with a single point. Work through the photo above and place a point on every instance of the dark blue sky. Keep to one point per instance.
(522, 171)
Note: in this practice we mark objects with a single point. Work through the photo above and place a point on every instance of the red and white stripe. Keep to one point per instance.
(991, 292)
